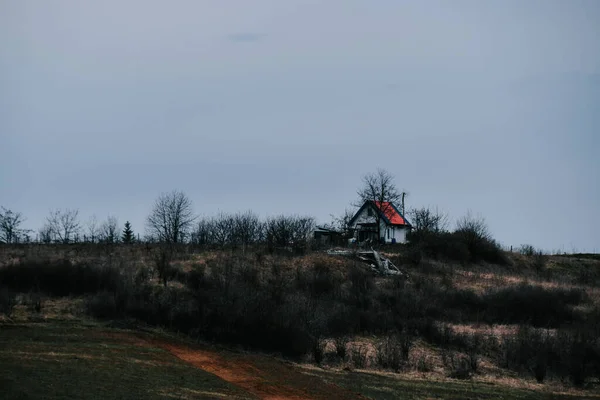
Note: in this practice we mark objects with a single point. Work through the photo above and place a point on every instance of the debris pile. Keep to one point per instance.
(377, 262)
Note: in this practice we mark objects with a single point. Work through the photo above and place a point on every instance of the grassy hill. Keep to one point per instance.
(523, 328)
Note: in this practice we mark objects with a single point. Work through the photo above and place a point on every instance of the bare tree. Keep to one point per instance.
(473, 227)
(203, 233)
(63, 225)
(379, 188)
(10, 226)
(92, 229)
(109, 230)
(341, 223)
(171, 217)
(289, 231)
(246, 229)
(222, 229)
(45, 234)
(475, 234)
(426, 219)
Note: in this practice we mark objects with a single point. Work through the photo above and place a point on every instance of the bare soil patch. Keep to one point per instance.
(262, 376)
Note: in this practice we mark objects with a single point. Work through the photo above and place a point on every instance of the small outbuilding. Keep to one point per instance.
(326, 236)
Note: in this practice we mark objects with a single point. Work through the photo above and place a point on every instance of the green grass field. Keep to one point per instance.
(70, 361)
(378, 386)
(85, 360)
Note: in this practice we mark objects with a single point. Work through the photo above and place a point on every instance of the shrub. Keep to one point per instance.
(359, 355)
(432, 331)
(7, 301)
(577, 354)
(291, 232)
(471, 242)
(341, 347)
(473, 232)
(424, 363)
(459, 365)
(536, 305)
(361, 286)
(58, 277)
(527, 250)
(539, 261)
(102, 305)
(162, 262)
(196, 278)
(437, 245)
(34, 302)
(414, 254)
(572, 353)
(472, 353)
(318, 280)
(319, 350)
(393, 351)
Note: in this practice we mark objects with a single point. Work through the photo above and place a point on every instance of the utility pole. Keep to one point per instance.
(403, 194)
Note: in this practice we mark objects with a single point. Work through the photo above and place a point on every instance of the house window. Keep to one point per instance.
(370, 212)
(388, 233)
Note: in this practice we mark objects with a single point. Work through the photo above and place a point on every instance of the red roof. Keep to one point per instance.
(390, 212)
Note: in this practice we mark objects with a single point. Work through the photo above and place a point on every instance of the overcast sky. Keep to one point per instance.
(282, 106)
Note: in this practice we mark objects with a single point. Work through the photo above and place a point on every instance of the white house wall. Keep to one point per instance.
(363, 218)
(397, 232)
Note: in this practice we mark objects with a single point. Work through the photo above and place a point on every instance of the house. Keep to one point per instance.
(394, 226)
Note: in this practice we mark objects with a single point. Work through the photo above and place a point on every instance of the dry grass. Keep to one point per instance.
(415, 385)
(60, 360)
(495, 331)
(434, 376)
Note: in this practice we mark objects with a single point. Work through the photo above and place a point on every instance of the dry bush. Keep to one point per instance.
(393, 351)
(7, 301)
(59, 277)
(531, 304)
(459, 366)
(572, 353)
(34, 302)
(359, 353)
(318, 350)
(281, 304)
(341, 347)
(102, 305)
(424, 363)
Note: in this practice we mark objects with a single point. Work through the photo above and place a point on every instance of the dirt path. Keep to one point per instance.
(265, 377)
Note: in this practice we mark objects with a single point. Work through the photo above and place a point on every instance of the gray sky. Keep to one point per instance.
(282, 106)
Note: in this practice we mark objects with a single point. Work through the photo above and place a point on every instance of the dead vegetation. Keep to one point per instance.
(448, 321)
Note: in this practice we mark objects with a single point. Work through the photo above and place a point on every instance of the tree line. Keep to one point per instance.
(170, 221)
(64, 226)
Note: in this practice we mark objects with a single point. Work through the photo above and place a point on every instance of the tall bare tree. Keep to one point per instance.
(64, 225)
(426, 219)
(92, 229)
(10, 225)
(246, 229)
(203, 232)
(474, 226)
(341, 223)
(109, 230)
(171, 217)
(45, 234)
(222, 229)
(379, 187)
(289, 231)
